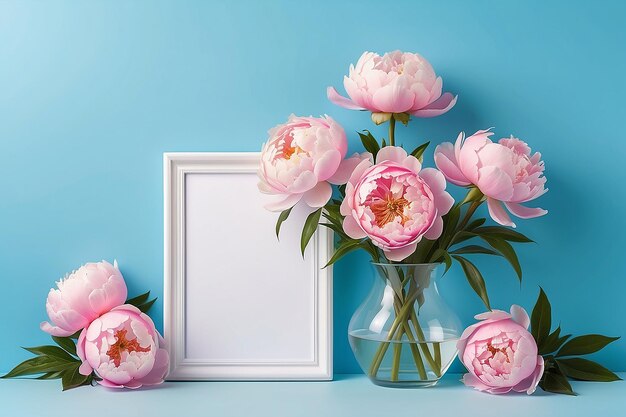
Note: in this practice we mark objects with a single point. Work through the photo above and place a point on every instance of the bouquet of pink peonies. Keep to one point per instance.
(383, 201)
(100, 335)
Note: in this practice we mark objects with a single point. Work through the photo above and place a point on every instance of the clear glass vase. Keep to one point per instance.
(404, 334)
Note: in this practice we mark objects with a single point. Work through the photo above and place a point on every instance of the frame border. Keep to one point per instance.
(176, 166)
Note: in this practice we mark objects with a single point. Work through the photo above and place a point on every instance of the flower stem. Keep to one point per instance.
(468, 214)
(392, 131)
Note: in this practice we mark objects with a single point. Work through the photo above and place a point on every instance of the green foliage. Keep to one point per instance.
(475, 279)
(142, 302)
(557, 367)
(419, 151)
(369, 142)
(281, 218)
(310, 226)
(54, 362)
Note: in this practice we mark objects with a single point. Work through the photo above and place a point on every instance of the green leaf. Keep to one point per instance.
(474, 224)
(66, 343)
(506, 250)
(462, 236)
(310, 225)
(583, 345)
(384, 143)
(53, 351)
(541, 318)
(369, 142)
(419, 151)
(51, 375)
(586, 370)
(447, 260)
(72, 378)
(552, 342)
(40, 365)
(281, 218)
(343, 249)
(140, 299)
(144, 308)
(554, 381)
(475, 279)
(503, 233)
(472, 249)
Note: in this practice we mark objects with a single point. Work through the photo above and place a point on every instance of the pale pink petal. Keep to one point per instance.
(346, 167)
(55, 330)
(319, 195)
(304, 182)
(400, 254)
(493, 315)
(284, 202)
(520, 316)
(437, 107)
(435, 230)
(340, 100)
(85, 368)
(391, 153)
(498, 213)
(447, 164)
(525, 212)
(495, 183)
(327, 165)
(159, 370)
(472, 380)
(395, 97)
(352, 228)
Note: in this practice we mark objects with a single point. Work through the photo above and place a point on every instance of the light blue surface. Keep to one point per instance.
(92, 93)
(349, 395)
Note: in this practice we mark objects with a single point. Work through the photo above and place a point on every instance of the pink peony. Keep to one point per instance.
(124, 349)
(397, 82)
(395, 202)
(301, 158)
(82, 296)
(505, 172)
(500, 354)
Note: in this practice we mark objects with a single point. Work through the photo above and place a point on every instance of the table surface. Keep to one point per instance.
(347, 395)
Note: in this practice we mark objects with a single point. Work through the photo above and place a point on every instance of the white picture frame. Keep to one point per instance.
(239, 305)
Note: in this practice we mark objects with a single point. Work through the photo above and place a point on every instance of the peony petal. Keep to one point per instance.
(340, 100)
(55, 330)
(525, 212)
(471, 380)
(327, 165)
(395, 97)
(391, 153)
(435, 230)
(520, 316)
(437, 107)
(346, 167)
(446, 162)
(400, 254)
(284, 203)
(498, 213)
(319, 195)
(495, 183)
(352, 228)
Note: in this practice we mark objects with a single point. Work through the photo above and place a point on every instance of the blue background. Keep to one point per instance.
(92, 93)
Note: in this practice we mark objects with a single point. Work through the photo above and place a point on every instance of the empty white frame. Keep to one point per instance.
(239, 305)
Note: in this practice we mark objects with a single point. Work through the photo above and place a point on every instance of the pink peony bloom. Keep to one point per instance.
(500, 354)
(505, 172)
(301, 159)
(397, 82)
(82, 296)
(395, 202)
(124, 349)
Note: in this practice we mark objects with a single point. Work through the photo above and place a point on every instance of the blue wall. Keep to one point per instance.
(92, 93)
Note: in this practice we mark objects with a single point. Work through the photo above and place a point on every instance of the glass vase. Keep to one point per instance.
(404, 335)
